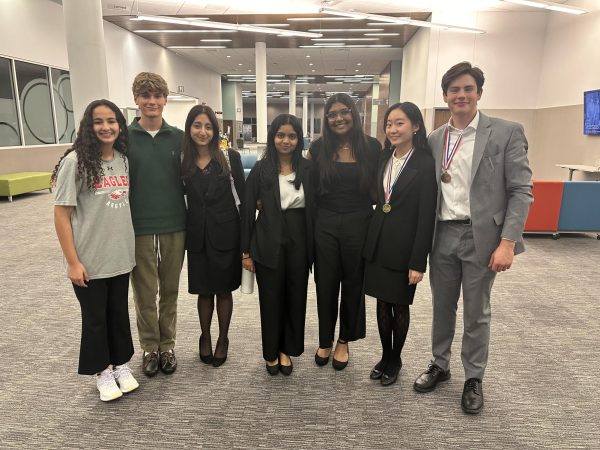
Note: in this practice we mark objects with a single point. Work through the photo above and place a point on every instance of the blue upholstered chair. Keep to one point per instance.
(248, 161)
(580, 208)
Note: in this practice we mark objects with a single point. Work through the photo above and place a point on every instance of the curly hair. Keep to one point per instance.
(271, 166)
(87, 145)
(189, 148)
(145, 82)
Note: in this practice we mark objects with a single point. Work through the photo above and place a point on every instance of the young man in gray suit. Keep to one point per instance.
(484, 195)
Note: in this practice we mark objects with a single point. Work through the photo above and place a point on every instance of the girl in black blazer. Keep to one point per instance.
(345, 162)
(278, 244)
(214, 183)
(400, 232)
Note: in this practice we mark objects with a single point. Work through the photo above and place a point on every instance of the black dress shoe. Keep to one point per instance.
(341, 365)
(390, 373)
(377, 371)
(168, 362)
(150, 364)
(286, 370)
(219, 361)
(429, 379)
(472, 397)
(321, 360)
(273, 370)
(206, 359)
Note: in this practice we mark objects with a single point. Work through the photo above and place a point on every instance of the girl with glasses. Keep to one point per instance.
(345, 165)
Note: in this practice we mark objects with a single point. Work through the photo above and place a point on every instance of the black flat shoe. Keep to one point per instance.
(340, 365)
(321, 360)
(273, 370)
(377, 371)
(216, 362)
(390, 374)
(206, 359)
(286, 370)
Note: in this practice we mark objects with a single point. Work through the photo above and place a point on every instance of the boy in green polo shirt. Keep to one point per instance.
(158, 213)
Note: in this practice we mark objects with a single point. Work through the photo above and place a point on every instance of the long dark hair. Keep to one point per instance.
(270, 165)
(87, 145)
(412, 111)
(330, 142)
(189, 149)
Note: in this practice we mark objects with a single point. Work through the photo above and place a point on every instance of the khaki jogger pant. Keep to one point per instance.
(159, 259)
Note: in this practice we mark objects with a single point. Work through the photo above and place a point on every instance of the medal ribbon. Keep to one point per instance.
(390, 185)
(450, 152)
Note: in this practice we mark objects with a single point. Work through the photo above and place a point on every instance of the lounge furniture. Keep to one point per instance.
(564, 207)
(23, 182)
(248, 161)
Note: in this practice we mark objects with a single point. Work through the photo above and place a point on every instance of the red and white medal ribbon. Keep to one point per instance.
(450, 152)
(390, 185)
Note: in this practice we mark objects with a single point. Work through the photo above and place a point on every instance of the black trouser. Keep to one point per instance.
(282, 291)
(339, 240)
(105, 332)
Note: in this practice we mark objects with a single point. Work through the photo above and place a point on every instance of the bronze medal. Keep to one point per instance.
(446, 177)
(386, 208)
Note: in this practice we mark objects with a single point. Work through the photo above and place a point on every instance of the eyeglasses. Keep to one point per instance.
(341, 113)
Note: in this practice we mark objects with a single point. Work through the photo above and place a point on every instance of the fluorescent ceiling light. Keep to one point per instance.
(382, 34)
(184, 47)
(227, 26)
(344, 39)
(342, 30)
(549, 5)
(299, 19)
(396, 20)
(272, 25)
(184, 31)
(215, 40)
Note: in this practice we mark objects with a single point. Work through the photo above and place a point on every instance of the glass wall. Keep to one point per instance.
(36, 107)
(9, 120)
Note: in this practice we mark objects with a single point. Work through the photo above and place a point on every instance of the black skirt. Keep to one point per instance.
(214, 271)
(388, 285)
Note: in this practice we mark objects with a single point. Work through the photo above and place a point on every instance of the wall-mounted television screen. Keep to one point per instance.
(591, 112)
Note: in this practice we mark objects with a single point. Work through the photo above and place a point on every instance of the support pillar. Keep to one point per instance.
(261, 92)
(85, 47)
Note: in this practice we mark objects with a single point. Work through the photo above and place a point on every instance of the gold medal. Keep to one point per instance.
(446, 177)
(386, 208)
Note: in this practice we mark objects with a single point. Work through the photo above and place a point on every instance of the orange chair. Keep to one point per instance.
(545, 210)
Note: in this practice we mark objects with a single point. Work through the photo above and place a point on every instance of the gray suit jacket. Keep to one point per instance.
(501, 183)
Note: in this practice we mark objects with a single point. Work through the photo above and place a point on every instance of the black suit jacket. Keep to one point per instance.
(213, 215)
(262, 236)
(401, 239)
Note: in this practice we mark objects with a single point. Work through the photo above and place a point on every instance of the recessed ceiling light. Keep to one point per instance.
(356, 70)
(313, 70)
(240, 64)
(359, 64)
(229, 56)
(249, 70)
(310, 64)
(308, 56)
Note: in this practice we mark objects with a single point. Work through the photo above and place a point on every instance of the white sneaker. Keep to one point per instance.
(124, 378)
(107, 386)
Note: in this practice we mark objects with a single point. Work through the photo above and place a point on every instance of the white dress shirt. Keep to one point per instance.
(455, 203)
(290, 197)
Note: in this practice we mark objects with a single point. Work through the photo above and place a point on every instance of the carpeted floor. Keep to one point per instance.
(541, 387)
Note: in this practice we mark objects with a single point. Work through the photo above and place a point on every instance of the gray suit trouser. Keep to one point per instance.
(454, 263)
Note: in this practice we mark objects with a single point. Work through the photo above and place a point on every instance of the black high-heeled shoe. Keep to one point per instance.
(206, 359)
(340, 365)
(286, 370)
(321, 360)
(219, 361)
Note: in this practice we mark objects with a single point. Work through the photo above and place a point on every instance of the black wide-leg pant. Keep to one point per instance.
(105, 333)
(282, 291)
(339, 240)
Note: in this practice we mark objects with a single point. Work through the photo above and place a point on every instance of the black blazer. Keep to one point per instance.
(213, 215)
(401, 239)
(262, 236)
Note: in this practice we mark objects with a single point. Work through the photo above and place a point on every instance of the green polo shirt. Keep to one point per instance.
(156, 189)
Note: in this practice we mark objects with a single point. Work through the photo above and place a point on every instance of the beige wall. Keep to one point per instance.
(30, 159)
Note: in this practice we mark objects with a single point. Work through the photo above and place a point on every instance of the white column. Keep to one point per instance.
(375, 107)
(312, 120)
(292, 103)
(305, 113)
(261, 92)
(85, 47)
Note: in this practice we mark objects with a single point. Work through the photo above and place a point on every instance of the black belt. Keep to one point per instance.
(459, 221)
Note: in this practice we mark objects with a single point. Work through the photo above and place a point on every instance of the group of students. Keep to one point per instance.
(364, 217)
